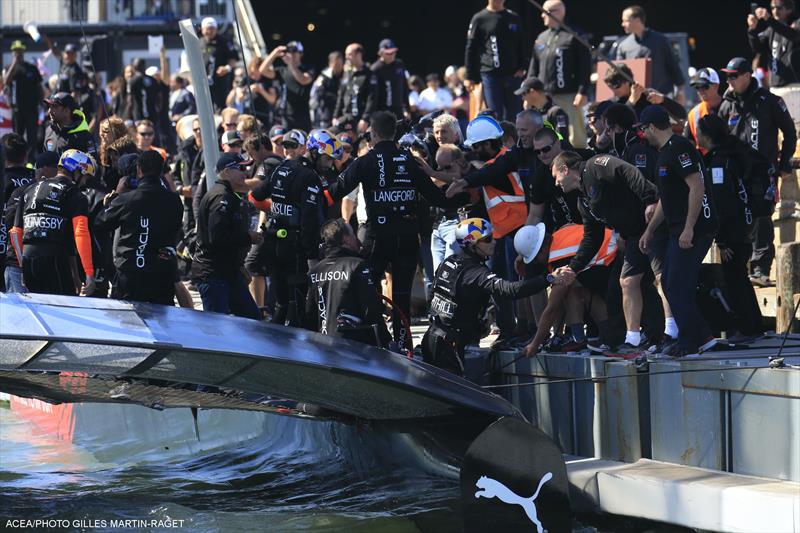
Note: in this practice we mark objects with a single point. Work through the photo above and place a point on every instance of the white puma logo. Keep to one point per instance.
(494, 489)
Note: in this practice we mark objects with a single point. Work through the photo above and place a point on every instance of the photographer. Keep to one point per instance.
(295, 88)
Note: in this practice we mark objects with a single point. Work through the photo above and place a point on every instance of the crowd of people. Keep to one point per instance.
(584, 223)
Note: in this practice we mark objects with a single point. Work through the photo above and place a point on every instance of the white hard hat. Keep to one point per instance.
(208, 22)
(482, 128)
(528, 241)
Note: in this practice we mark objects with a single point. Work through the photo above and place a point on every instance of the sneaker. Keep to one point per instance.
(595, 346)
(572, 346)
(553, 344)
(709, 345)
(678, 352)
(667, 342)
(761, 281)
(627, 348)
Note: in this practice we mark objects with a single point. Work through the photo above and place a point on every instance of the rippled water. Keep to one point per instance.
(296, 477)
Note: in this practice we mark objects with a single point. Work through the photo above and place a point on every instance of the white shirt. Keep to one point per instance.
(430, 100)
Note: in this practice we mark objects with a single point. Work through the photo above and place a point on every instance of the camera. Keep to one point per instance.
(291, 49)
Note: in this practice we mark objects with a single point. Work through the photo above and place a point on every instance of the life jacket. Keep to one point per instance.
(444, 305)
(696, 113)
(507, 212)
(285, 209)
(44, 213)
(567, 240)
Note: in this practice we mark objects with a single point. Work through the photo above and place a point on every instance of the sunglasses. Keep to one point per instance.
(146, 133)
(290, 145)
(701, 87)
(614, 84)
(486, 240)
(232, 124)
(544, 150)
(196, 130)
(733, 76)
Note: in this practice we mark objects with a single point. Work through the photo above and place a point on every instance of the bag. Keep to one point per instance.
(759, 182)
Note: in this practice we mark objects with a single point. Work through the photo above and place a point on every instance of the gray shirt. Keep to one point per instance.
(665, 70)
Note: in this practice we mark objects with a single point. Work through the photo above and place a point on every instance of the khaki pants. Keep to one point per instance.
(577, 120)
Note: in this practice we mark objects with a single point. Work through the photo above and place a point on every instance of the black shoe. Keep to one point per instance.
(761, 281)
(667, 342)
(679, 352)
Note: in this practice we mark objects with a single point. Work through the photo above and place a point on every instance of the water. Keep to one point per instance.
(294, 478)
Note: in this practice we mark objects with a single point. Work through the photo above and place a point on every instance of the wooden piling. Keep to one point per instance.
(788, 278)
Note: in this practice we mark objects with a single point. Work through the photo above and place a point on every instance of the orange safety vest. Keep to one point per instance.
(697, 112)
(568, 238)
(507, 212)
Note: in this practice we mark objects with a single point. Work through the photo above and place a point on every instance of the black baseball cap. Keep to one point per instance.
(530, 84)
(598, 109)
(62, 98)
(231, 160)
(737, 65)
(653, 114)
(47, 159)
(388, 45)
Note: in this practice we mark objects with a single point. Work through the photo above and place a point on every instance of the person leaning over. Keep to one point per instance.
(223, 239)
(461, 292)
(149, 221)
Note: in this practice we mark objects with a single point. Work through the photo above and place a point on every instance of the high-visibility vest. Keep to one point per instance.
(697, 112)
(507, 212)
(567, 240)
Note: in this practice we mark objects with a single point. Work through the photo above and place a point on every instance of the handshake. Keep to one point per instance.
(564, 276)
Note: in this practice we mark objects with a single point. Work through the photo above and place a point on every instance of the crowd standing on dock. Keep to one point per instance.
(584, 223)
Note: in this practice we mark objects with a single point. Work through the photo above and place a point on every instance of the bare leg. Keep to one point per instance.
(258, 286)
(632, 301)
(183, 295)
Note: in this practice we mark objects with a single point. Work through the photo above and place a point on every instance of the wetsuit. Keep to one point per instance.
(50, 223)
(461, 293)
(344, 301)
(294, 199)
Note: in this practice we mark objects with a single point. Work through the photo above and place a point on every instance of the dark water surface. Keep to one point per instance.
(295, 478)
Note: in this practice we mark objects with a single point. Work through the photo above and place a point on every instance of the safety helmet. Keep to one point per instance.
(528, 241)
(471, 230)
(482, 128)
(76, 161)
(324, 142)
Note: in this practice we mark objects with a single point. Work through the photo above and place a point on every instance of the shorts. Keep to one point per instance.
(256, 262)
(595, 279)
(638, 262)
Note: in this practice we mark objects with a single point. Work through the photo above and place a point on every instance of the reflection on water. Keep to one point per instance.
(295, 478)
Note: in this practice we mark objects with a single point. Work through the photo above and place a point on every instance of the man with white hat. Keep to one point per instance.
(220, 57)
(706, 83)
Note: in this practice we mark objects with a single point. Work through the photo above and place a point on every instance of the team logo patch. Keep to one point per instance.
(640, 160)
(662, 171)
(602, 160)
(733, 120)
(685, 160)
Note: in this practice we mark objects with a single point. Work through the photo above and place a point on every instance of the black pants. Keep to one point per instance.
(399, 251)
(679, 279)
(288, 270)
(743, 296)
(47, 274)
(144, 287)
(763, 246)
(25, 124)
(440, 352)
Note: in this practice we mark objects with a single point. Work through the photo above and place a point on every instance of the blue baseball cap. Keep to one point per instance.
(388, 45)
(654, 114)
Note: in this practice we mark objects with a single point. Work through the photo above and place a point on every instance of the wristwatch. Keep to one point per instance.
(550, 279)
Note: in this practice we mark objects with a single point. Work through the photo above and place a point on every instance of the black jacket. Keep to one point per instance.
(496, 43)
(17, 180)
(462, 289)
(727, 165)
(389, 87)
(94, 190)
(561, 62)
(148, 219)
(76, 135)
(775, 41)
(391, 179)
(755, 117)
(223, 234)
(355, 96)
(298, 201)
(322, 100)
(614, 194)
(343, 300)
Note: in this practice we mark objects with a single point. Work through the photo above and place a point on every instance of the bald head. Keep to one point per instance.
(354, 54)
(557, 9)
(449, 157)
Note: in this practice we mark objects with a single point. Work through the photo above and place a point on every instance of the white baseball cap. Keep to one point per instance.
(208, 22)
(151, 71)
